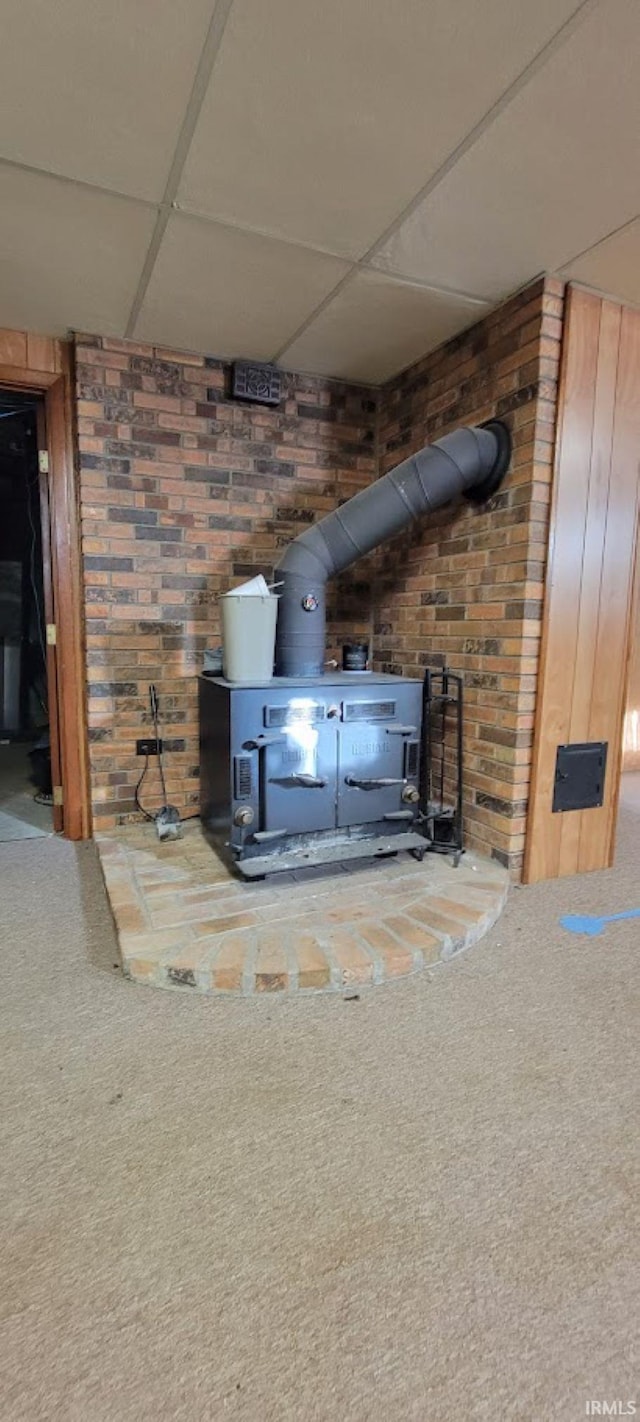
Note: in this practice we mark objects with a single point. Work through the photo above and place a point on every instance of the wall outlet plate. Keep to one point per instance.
(148, 745)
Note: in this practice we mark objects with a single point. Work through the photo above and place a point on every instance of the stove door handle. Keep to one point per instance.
(305, 782)
(401, 730)
(259, 742)
(377, 784)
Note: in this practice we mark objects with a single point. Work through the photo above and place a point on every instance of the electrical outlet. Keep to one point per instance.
(148, 746)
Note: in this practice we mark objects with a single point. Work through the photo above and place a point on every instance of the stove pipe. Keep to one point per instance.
(471, 461)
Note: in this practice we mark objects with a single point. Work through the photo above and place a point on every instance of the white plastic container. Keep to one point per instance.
(248, 636)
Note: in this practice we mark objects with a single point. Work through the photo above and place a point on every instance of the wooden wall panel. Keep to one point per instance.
(631, 743)
(590, 578)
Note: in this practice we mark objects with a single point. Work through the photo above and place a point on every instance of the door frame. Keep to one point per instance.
(56, 387)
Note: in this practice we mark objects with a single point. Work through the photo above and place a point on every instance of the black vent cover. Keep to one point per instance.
(256, 381)
(580, 773)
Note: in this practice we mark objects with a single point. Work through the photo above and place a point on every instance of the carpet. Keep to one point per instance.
(420, 1202)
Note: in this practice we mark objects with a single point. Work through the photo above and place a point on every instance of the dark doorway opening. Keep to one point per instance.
(26, 788)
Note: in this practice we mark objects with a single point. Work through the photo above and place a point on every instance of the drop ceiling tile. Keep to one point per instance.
(69, 257)
(612, 267)
(98, 91)
(323, 119)
(231, 293)
(555, 172)
(374, 327)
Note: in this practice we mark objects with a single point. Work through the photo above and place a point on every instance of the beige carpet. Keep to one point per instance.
(420, 1204)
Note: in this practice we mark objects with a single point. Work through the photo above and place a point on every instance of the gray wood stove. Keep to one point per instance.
(297, 771)
(310, 767)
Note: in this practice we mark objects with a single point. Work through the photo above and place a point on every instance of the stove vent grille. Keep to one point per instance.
(369, 710)
(242, 777)
(286, 715)
(411, 759)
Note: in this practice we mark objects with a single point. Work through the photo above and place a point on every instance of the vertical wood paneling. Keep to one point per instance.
(593, 549)
(589, 588)
(562, 606)
(631, 747)
(616, 600)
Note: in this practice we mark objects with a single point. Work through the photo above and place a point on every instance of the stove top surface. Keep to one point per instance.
(353, 680)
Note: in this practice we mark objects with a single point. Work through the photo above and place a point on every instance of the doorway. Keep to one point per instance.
(29, 751)
(38, 370)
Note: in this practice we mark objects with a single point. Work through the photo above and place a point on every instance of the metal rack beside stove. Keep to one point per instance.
(441, 776)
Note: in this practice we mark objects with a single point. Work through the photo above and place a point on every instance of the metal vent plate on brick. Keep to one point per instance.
(257, 382)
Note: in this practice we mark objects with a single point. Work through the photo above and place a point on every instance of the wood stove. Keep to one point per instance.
(295, 771)
(310, 767)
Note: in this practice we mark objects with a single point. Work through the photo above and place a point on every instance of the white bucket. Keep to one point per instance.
(248, 636)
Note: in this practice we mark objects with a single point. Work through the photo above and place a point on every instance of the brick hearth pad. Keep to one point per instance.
(184, 920)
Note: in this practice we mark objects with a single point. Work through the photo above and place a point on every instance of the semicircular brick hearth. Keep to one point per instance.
(184, 920)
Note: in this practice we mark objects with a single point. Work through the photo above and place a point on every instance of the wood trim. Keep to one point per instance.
(65, 537)
(48, 369)
(49, 617)
(590, 575)
(17, 379)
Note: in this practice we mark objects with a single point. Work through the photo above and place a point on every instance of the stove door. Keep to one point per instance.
(299, 779)
(371, 774)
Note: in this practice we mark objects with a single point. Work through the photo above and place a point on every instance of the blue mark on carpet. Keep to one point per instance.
(590, 924)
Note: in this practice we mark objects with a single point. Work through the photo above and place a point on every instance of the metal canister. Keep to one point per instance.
(355, 656)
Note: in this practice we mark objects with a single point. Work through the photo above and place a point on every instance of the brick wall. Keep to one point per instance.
(184, 493)
(466, 587)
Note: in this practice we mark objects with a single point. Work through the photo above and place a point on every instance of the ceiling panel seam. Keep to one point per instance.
(232, 225)
(208, 57)
(525, 76)
(601, 240)
(76, 182)
(560, 37)
(229, 225)
(401, 279)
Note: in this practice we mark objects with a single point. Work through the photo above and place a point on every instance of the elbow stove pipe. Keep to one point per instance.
(472, 461)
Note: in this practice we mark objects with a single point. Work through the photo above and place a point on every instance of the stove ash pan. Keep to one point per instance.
(296, 771)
